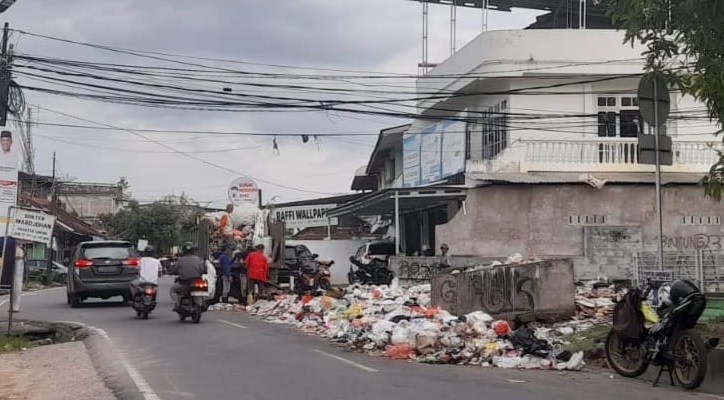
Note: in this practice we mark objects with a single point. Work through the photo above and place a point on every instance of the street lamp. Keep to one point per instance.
(5, 4)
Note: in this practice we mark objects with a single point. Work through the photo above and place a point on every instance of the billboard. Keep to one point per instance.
(435, 153)
(243, 191)
(9, 161)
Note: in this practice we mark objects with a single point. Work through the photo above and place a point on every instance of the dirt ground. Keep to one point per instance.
(53, 372)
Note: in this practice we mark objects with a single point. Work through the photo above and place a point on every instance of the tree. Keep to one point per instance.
(684, 42)
(164, 224)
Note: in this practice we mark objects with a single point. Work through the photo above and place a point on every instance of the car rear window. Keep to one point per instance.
(117, 252)
(385, 249)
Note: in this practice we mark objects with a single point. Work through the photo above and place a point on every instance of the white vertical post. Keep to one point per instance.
(329, 228)
(17, 293)
(397, 222)
(658, 177)
(485, 15)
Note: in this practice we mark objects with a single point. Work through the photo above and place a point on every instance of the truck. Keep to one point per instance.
(285, 261)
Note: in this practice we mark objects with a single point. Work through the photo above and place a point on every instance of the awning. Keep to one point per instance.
(383, 201)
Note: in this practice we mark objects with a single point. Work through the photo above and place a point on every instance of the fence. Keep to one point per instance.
(704, 267)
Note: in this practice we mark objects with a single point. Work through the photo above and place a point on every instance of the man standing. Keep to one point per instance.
(444, 256)
(226, 226)
(257, 269)
(225, 263)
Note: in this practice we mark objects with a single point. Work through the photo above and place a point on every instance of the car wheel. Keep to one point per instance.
(75, 301)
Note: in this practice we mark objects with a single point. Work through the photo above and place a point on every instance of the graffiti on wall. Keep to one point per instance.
(699, 241)
(502, 290)
(416, 271)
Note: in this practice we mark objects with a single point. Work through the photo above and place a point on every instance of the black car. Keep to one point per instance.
(102, 269)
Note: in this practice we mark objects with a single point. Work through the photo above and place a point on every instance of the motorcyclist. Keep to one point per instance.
(188, 267)
(148, 270)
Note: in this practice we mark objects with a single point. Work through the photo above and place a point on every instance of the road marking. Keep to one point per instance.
(344, 360)
(141, 384)
(2, 303)
(231, 324)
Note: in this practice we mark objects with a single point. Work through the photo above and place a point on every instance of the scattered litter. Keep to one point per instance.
(515, 381)
(227, 307)
(400, 323)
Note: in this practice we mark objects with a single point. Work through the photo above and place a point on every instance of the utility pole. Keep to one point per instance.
(53, 205)
(5, 76)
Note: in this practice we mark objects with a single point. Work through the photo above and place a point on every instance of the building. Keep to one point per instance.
(528, 143)
(91, 200)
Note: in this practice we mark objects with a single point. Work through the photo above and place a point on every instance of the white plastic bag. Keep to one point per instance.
(401, 333)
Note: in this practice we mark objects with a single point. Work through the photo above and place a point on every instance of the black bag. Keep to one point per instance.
(628, 320)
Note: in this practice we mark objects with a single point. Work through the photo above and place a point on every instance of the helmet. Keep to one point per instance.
(148, 250)
(187, 248)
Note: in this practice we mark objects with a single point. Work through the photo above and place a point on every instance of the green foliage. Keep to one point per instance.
(164, 224)
(684, 42)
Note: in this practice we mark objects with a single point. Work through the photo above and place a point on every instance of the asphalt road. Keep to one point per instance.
(233, 356)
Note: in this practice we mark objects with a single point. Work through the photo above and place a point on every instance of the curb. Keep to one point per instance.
(110, 365)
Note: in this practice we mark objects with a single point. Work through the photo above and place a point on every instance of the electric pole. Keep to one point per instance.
(5, 76)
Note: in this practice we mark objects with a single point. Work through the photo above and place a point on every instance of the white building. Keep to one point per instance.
(522, 124)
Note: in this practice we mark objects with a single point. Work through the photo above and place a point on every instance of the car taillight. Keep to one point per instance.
(133, 262)
(83, 263)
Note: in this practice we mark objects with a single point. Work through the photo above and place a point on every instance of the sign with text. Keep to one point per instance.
(301, 217)
(243, 191)
(34, 226)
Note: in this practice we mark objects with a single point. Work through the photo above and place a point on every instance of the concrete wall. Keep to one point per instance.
(535, 220)
(537, 291)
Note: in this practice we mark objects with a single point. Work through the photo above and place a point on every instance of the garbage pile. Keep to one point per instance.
(400, 323)
(597, 299)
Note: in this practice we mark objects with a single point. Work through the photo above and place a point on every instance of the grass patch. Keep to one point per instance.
(13, 343)
(588, 340)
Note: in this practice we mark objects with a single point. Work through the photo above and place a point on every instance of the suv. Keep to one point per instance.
(102, 269)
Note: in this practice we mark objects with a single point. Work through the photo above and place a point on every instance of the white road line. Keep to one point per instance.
(350, 362)
(231, 324)
(2, 303)
(141, 384)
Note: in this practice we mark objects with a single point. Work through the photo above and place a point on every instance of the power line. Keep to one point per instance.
(187, 154)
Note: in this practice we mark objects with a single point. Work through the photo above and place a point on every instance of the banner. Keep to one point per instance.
(301, 217)
(9, 161)
(33, 226)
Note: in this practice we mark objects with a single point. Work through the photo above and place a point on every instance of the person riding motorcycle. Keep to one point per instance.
(188, 267)
(148, 270)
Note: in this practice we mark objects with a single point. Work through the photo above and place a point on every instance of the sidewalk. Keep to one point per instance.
(54, 372)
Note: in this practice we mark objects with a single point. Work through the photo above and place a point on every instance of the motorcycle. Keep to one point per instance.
(144, 300)
(374, 273)
(192, 301)
(669, 342)
(310, 279)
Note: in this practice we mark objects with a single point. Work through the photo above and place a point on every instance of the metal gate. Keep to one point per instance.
(704, 267)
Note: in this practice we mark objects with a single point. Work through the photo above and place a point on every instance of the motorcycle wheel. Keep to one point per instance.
(634, 368)
(144, 315)
(196, 317)
(181, 317)
(352, 278)
(325, 285)
(691, 359)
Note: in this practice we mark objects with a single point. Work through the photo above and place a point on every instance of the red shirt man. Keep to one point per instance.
(257, 265)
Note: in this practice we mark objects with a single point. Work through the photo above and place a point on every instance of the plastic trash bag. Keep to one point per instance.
(401, 333)
(501, 328)
(524, 340)
(478, 316)
(400, 351)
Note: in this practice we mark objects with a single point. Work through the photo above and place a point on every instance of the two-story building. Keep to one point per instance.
(527, 142)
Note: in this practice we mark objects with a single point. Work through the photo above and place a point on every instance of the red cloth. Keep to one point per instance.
(257, 266)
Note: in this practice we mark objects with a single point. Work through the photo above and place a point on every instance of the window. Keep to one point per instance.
(618, 116)
(495, 130)
(109, 251)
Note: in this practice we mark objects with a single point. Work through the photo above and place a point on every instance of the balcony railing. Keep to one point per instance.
(594, 155)
(619, 155)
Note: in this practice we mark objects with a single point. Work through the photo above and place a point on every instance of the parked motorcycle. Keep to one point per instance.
(192, 302)
(374, 273)
(310, 279)
(671, 342)
(144, 300)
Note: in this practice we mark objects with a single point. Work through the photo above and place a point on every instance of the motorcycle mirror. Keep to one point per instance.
(351, 258)
(315, 255)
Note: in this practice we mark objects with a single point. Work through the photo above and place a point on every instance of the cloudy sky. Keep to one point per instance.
(319, 38)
